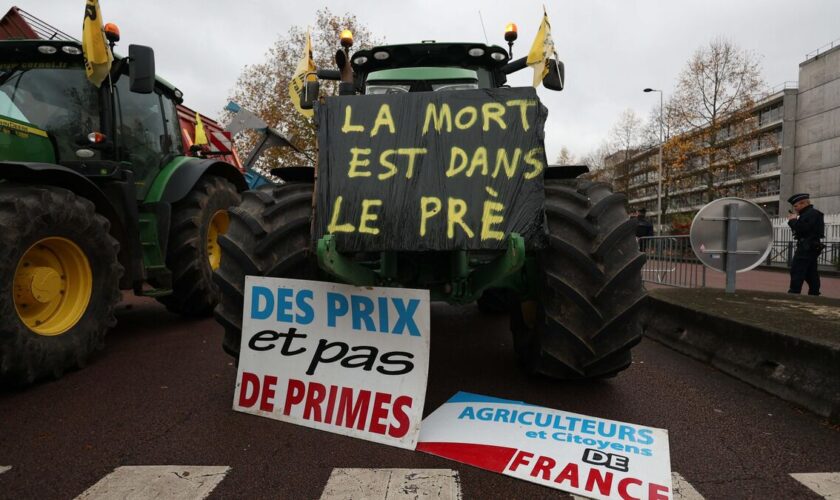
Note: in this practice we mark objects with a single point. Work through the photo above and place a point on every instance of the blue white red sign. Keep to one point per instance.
(334, 357)
(587, 456)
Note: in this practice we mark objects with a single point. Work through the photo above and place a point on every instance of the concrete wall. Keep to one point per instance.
(786, 161)
(816, 168)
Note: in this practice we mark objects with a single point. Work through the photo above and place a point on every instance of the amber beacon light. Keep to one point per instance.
(510, 36)
(346, 38)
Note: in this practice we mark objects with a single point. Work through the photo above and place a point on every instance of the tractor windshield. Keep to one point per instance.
(59, 100)
(424, 79)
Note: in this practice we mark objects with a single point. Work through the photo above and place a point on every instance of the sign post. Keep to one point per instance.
(731, 245)
(731, 235)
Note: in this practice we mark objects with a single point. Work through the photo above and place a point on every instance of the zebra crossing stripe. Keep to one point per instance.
(181, 482)
(392, 484)
(5, 468)
(682, 489)
(825, 484)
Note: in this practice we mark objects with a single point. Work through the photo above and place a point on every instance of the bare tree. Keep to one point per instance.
(626, 134)
(671, 125)
(595, 160)
(263, 88)
(713, 101)
(565, 157)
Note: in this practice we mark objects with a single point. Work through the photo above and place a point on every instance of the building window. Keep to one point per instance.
(768, 163)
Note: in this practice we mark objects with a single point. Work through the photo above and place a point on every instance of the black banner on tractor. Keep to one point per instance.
(431, 170)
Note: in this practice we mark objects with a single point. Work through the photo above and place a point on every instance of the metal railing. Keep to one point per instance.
(670, 261)
(824, 48)
(781, 255)
(43, 29)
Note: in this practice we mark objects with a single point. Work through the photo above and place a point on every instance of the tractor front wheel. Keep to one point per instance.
(193, 251)
(268, 236)
(583, 316)
(59, 282)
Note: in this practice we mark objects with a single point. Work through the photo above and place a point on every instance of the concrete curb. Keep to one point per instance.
(797, 370)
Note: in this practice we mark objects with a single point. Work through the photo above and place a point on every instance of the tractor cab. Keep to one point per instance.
(45, 95)
(128, 123)
(424, 67)
(469, 63)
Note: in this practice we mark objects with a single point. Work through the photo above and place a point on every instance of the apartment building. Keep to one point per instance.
(794, 146)
(757, 177)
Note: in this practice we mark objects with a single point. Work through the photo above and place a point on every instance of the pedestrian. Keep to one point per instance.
(644, 228)
(808, 229)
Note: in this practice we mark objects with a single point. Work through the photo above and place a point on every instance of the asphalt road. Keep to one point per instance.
(161, 393)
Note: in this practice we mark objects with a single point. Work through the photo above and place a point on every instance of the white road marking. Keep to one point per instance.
(683, 490)
(392, 484)
(825, 484)
(183, 482)
(5, 468)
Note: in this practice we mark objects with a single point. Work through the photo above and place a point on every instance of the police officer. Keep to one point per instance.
(643, 229)
(808, 229)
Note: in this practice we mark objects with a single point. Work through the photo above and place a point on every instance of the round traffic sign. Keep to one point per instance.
(754, 234)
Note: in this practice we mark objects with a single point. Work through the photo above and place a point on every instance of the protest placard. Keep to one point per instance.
(335, 357)
(588, 456)
(431, 170)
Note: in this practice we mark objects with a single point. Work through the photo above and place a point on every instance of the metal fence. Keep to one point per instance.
(781, 255)
(670, 261)
(784, 246)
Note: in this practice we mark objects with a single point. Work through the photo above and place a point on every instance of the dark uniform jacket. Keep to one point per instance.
(808, 230)
(644, 228)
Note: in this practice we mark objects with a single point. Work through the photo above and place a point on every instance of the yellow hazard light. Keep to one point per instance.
(510, 32)
(346, 38)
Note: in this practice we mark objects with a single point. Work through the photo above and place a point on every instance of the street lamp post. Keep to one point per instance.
(659, 186)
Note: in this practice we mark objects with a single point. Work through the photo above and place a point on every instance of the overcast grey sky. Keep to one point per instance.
(611, 49)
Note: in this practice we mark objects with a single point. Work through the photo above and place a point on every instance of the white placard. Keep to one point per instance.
(339, 358)
(587, 456)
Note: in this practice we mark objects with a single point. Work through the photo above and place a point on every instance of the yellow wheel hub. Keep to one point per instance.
(52, 286)
(218, 225)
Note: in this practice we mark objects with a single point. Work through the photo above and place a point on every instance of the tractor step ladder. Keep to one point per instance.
(153, 259)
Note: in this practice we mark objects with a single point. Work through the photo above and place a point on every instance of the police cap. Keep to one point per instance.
(798, 197)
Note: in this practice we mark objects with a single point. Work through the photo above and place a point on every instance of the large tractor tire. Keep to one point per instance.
(585, 318)
(59, 282)
(193, 252)
(269, 235)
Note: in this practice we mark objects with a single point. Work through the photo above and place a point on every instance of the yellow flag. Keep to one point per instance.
(95, 47)
(200, 135)
(541, 50)
(297, 84)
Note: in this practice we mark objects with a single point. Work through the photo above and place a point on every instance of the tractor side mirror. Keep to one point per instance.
(141, 69)
(556, 75)
(311, 90)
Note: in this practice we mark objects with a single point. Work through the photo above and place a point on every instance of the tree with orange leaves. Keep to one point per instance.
(264, 88)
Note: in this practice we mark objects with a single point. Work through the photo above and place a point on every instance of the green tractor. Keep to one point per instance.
(96, 196)
(556, 252)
